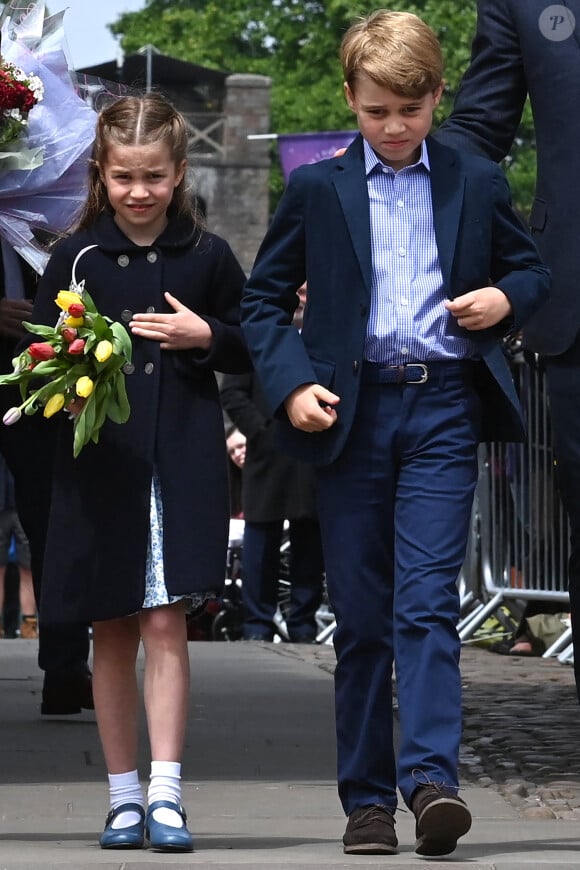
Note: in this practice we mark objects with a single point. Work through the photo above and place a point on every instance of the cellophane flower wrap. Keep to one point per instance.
(81, 357)
(43, 172)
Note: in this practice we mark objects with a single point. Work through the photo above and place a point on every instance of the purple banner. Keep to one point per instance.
(298, 148)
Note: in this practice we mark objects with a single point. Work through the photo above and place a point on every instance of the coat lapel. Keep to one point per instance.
(447, 191)
(350, 184)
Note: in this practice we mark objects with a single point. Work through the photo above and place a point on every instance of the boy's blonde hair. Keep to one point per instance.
(396, 50)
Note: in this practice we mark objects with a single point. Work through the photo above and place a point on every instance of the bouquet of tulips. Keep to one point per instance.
(78, 364)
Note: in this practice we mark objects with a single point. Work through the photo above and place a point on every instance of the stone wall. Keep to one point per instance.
(234, 184)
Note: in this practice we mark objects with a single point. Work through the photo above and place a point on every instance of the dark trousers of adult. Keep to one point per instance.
(563, 383)
(261, 575)
(394, 511)
(27, 448)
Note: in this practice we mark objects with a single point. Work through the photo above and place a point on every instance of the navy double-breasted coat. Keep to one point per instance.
(94, 565)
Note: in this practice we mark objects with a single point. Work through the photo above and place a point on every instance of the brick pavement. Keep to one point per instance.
(521, 728)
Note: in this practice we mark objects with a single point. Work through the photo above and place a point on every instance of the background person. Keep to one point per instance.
(63, 650)
(534, 48)
(12, 533)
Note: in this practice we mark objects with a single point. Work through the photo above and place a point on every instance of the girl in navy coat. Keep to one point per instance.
(138, 525)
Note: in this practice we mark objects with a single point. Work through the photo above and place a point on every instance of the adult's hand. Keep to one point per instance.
(12, 314)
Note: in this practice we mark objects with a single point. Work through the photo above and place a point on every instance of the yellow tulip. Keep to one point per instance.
(103, 350)
(54, 404)
(66, 298)
(74, 321)
(84, 387)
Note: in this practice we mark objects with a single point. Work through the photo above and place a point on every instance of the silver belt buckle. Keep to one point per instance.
(424, 376)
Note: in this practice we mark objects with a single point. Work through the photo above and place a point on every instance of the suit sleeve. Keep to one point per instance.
(270, 300)
(515, 267)
(491, 96)
(237, 399)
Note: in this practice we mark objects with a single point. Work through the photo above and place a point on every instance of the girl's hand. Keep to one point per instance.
(311, 408)
(480, 309)
(181, 329)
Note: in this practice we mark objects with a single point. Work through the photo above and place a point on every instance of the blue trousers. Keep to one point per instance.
(261, 573)
(395, 513)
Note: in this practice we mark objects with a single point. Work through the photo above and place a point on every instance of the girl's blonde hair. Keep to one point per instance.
(137, 120)
(396, 50)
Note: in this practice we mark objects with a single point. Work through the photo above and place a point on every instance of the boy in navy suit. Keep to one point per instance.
(416, 266)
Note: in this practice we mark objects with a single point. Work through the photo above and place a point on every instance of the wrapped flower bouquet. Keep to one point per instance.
(76, 365)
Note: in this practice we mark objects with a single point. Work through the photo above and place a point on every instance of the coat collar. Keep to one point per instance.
(179, 233)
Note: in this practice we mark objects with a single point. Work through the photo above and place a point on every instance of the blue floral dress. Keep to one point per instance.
(156, 593)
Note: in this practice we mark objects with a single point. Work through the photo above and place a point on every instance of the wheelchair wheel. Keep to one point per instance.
(227, 625)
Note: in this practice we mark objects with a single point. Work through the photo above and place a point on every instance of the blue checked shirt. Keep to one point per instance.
(407, 321)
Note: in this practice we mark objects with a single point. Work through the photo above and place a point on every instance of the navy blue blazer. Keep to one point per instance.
(532, 46)
(321, 233)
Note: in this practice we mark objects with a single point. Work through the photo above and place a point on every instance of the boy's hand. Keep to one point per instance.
(480, 309)
(181, 329)
(310, 408)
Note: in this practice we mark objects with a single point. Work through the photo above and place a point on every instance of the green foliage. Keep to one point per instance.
(296, 43)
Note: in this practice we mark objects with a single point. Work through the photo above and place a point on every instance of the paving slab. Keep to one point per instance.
(259, 767)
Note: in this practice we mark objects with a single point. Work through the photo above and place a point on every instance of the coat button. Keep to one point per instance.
(128, 368)
(123, 260)
(126, 315)
(149, 368)
(150, 309)
(152, 257)
(355, 366)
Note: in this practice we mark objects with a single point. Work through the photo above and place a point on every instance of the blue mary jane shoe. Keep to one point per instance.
(165, 838)
(132, 837)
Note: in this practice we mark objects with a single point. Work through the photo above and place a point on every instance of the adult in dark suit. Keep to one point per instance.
(28, 447)
(275, 488)
(397, 223)
(534, 48)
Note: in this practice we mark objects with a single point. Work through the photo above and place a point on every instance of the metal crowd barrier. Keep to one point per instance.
(519, 546)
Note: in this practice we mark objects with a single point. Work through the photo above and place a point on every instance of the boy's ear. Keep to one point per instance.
(438, 93)
(349, 96)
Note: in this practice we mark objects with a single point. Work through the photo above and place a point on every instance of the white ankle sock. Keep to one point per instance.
(165, 785)
(125, 788)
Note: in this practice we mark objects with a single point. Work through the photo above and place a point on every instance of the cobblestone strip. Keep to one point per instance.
(521, 731)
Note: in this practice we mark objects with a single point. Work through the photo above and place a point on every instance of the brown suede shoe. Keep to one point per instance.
(29, 628)
(370, 831)
(442, 818)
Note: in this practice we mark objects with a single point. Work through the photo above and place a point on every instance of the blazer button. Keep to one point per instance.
(152, 257)
(123, 260)
(150, 309)
(126, 315)
(355, 366)
(149, 368)
(128, 368)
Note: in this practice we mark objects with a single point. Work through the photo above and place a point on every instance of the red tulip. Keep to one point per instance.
(77, 309)
(76, 346)
(41, 350)
(69, 333)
